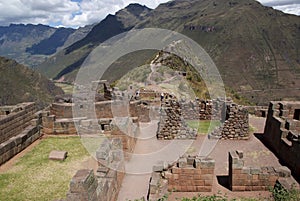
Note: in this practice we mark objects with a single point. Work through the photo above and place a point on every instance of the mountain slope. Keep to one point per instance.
(32, 44)
(70, 59)
(21, 84)
(256, 48)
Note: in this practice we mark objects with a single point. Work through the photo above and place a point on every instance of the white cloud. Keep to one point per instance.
(74, 13)
(287, 6)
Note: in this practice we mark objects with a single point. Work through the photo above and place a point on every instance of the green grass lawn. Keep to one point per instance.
(203, 127)
(34, 177)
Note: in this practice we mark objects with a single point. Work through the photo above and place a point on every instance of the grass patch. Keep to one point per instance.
(203, 127)
(34, 177)
(67, 88)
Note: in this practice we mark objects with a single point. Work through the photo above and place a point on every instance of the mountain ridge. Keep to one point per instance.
(256, 48)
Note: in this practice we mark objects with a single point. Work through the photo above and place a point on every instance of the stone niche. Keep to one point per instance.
(282, 133)
(188, 174)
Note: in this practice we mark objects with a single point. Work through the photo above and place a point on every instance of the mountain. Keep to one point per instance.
(256, 48)
(32, 44)
(66, 62)
(21, 84)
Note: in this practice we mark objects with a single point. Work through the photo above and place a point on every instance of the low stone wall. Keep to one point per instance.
(236, 125)
(53, 126)
(105, 185)
(17, 143)
(104, 109)
(243, 178)
(188, 174)
(171, 124)
(282, 133)
(17, 120)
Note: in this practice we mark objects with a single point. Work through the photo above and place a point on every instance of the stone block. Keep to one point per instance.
(283, 171)
(255, 170)
(182, 162)
(58, 155)
(238, 188)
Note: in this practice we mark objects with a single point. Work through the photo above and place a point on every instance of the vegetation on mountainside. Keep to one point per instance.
(255, 48)
(21, 84)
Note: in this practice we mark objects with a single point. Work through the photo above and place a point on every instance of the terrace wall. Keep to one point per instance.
(282, 133)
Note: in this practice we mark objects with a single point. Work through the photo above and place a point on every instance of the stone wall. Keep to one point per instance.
(53, 126)
(259, 111)
(242, 178)
(282, 133)
(105, 184)
(188, 174)
(201, 109)
(17, 120)
(127, 130)
(236, 125)
(22, 140)
(171, 124)
(104, 109)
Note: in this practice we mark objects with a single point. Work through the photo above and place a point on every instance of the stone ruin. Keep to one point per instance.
(282, 133)
(106, 182)
(243, 178)
(236, 124)
(174, 115)
(19, 128)
(196, 174)
(172, 125)
(188, 174)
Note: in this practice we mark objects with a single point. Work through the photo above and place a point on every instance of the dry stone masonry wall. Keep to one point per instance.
(201, 109)
(282, 133)
(236, 124)
(172, 125)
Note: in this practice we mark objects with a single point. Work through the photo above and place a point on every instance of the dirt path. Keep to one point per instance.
(149, 151)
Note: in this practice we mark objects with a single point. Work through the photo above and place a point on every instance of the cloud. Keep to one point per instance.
(287, 6)
(75, 13)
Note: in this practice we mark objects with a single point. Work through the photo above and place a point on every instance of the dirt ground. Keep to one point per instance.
(136, 181)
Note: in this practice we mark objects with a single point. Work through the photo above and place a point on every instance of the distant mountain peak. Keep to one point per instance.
(135, 9)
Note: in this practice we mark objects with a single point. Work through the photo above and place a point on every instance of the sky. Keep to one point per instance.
(78, 13)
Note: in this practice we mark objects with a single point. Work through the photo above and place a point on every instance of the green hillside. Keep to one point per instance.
(21, 84)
